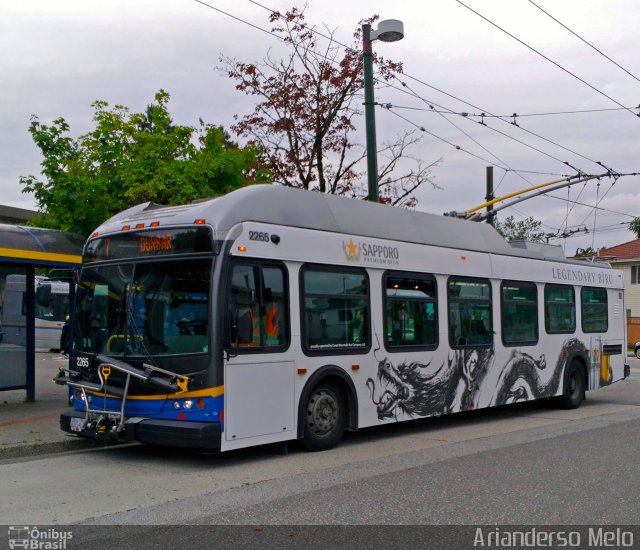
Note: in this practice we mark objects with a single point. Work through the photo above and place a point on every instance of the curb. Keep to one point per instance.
(39, 449)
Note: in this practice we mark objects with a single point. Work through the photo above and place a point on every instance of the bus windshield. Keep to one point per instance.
(144, 309)
(56, 309)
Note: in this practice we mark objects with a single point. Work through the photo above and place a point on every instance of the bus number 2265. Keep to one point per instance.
(261, 236)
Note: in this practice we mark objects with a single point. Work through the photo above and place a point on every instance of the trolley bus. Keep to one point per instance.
(273, 314)
(51, 310)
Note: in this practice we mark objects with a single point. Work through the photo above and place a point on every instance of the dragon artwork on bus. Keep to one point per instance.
(274, 314)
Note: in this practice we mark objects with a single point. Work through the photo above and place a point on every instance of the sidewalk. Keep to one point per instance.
(32, 428)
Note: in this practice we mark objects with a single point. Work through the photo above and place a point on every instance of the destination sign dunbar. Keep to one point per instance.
(156, 242)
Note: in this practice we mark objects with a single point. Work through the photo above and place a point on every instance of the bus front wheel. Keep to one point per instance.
(325, 417)
(574, 387)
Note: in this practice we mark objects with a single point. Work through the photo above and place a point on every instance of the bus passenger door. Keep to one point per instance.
(259, 370)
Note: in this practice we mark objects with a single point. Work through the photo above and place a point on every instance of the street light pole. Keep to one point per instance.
(370, 114)
(390, 30)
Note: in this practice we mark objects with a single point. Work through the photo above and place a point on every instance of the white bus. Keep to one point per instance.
(273, 314)
(51, 310)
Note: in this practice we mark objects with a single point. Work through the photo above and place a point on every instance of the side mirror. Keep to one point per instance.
(244, 327)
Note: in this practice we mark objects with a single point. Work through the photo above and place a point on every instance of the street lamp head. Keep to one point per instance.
(389, 30)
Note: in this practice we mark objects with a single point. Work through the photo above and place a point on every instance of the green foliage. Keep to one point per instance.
(129, 158)
(585, 252)
(635, 226)
(523, 230)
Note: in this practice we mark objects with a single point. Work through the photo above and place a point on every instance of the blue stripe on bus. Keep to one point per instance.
(163, 407)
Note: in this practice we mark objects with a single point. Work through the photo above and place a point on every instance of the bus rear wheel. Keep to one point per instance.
(575, 387)
(325, 417)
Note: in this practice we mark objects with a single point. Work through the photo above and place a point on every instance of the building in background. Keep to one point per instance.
(16, 216)
(626, 257)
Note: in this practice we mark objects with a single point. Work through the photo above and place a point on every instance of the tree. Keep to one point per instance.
(129, 158)
(304, 118)
(523, 230)
(634, 226)
(585, 252)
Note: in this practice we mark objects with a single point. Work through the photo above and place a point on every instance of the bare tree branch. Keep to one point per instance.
(306, 114)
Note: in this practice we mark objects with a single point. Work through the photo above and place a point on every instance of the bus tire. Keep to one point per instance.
(325, 416)
(575, 385)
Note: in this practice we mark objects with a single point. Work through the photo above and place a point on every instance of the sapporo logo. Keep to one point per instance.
(351, 251)
(38, 539)
(370, 253)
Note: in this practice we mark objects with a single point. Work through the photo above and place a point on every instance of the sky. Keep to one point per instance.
(57, 58)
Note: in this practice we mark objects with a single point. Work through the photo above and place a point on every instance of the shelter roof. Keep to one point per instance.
(46, 247)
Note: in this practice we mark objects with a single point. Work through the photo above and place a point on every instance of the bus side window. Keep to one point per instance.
(470, 321)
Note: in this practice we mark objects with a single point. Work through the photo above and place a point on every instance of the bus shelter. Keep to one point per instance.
(28, 257)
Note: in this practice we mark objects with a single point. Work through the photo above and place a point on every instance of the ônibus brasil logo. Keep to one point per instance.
(38, 539)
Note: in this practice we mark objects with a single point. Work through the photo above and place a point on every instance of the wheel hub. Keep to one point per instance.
(323, 412)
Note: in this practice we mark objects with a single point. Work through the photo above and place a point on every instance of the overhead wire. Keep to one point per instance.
(573, 205)
(549, 195)
(507, 168)
(442, 115)
(520, 115)
(257, 27)
(545, 57)
(457, 147)
(553, 157)
(598, 201)
(579, 172)
(413, 93)
(585, 41)
(603, 197)
(331, 38)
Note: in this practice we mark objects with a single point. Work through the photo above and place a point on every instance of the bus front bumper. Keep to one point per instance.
(151, 431)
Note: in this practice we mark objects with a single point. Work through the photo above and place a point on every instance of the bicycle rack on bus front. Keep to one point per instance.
(103, 421)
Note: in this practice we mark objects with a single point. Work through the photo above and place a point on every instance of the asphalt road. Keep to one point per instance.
(530, 465)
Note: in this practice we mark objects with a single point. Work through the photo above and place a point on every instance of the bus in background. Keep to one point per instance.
(51, 310)
(273, 314)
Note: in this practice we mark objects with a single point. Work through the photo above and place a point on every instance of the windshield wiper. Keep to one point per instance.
(137, 337)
